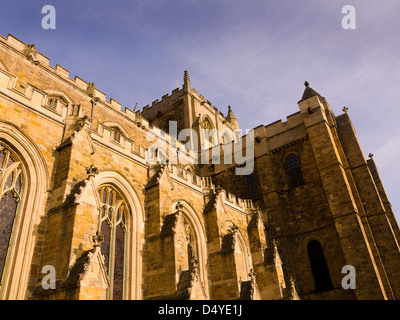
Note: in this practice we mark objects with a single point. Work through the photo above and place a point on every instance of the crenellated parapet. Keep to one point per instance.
(126, 145)
(224, 119)
(31, 97)
(31, 54)
(167, 101)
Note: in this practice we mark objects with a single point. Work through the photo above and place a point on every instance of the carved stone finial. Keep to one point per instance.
(292, 282)
(233, 229)
(84, 121)
(252, 275)
(345, 109)
(186, 80)
(98, 239)
(257, 215)
(186, 76)
(179, 207)
(306, 84)
(194, 265)
(371, 156)
(92, 170)
(136, 108)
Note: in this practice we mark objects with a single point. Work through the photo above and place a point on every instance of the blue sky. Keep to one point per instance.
(253, 55)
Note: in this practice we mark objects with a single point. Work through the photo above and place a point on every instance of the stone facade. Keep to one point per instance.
(79, 197)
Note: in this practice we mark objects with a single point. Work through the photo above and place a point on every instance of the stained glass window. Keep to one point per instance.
(113, 228)
(10, 197)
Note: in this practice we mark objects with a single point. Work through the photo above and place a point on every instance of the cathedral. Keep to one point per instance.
(87, 214)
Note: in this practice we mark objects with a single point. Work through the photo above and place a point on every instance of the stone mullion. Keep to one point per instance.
(4, 171)
(123, 226)
(124, 278)
(112, 252)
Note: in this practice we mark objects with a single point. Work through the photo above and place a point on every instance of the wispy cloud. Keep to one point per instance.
(253, 55)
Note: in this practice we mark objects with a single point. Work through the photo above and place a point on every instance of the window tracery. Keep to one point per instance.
(113, 226)
(10, 197)
(207, 124)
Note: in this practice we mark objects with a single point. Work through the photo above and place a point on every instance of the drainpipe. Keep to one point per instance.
(93, 101)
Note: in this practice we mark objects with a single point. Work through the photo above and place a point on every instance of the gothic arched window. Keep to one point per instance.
(208, 132)
(226, 138)
(10, 197)
(207, 124)
(114, 213)
(319, 268)
(294, 170)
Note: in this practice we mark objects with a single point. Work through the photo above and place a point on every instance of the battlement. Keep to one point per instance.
(236, 202)
(31, 96)
(166, 100)
(208, 103)
(177, 96)
(125, 146)
(185, 175)
(199, 183)
(37, 58)
(278, 127)
(30, 52)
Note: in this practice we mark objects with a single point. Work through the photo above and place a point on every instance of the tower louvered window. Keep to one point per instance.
(294, 170)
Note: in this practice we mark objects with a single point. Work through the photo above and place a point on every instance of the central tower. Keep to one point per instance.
(192, 111)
